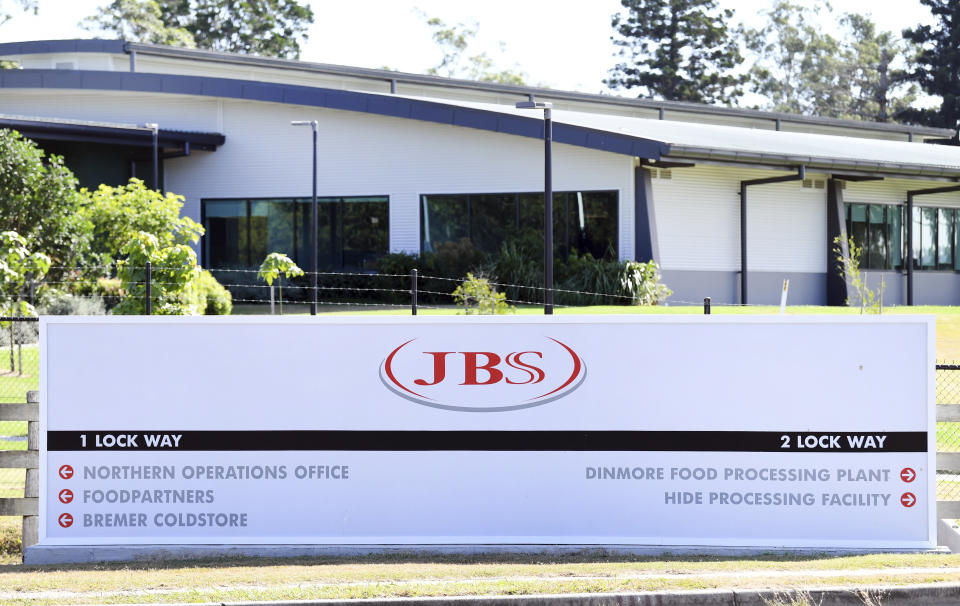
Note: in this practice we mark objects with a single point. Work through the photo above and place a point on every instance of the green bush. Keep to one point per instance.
(216, 299)
(174, 278)
(477, 296)
(65, 304)
(641, 282)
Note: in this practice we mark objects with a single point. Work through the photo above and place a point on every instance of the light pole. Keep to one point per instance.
(313, 212)
(547, 199)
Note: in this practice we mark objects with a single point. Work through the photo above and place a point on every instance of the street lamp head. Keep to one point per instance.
(312, 123)
(534, 105)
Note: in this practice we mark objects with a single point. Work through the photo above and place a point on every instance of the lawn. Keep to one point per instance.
(406, 575)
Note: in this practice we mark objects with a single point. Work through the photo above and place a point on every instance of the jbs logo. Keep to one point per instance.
(482, 379)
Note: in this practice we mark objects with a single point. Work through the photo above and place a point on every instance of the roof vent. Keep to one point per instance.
(808, 183)
(666, 174)
(65, 65)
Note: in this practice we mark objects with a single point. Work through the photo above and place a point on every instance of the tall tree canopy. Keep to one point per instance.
(803, 70)
(937, 68)
(453, 41)
(676, 49)
(261, 27)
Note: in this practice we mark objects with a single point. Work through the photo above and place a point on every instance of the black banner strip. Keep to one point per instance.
(525, 441)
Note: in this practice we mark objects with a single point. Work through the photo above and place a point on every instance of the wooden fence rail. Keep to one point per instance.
(29, 505)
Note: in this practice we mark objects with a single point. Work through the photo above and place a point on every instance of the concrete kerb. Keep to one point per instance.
(88, 554)
(939, 594)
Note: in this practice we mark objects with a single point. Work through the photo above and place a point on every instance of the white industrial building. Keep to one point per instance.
(406, 161)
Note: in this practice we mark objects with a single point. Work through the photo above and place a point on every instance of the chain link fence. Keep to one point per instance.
(19, 373)
(948, 434)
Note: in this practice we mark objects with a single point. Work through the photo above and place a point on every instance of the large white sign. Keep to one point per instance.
(640, 430)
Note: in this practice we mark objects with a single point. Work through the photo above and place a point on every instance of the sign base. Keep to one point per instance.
(87, 554)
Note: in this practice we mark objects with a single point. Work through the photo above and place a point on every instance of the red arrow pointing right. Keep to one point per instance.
(907, 474)
(908, 499)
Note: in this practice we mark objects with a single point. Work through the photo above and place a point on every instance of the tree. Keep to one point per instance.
(802, 70)
(261, 27)
(140, 21)
(39, 201)
(117, 214)
(17, 265)
(680, 50)
(881, 87)
(937, 67)
(453, 41)
(25, 5)
(797, 67)
(273, 267)
(175, 288)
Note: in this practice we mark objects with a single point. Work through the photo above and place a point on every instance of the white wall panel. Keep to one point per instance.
(698, 222)
(180, 112)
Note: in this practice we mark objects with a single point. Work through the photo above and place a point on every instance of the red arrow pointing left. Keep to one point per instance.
(65, 520)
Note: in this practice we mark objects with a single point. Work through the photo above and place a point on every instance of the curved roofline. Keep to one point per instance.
(371, 103)
(121, 46)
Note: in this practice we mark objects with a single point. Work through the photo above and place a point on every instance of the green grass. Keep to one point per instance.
(15, 385)
(421, 575)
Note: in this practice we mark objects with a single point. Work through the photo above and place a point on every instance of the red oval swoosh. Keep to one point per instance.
(387, 366)
(576, 369)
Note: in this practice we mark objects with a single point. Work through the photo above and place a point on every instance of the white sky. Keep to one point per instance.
(563, 44)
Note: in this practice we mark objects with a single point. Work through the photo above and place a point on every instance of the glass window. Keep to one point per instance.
(944, 238)
(928, 239)
(492, 218)
(225, 242)
(876, 251)
(442, 219)
(583, 222)
(240, 233)
(364, 231)
(895, 237)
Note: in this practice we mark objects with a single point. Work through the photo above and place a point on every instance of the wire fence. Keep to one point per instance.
(96, 290)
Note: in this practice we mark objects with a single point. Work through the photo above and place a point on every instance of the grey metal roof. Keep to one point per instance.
(686, 140)
(116, 46)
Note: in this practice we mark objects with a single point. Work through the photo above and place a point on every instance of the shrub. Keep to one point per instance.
(476, 296)
(65, 304)
(173, 281)
(216, 299)
(641, 282)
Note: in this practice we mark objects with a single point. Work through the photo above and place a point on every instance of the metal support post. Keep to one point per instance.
(413, 292)
(148, 296)
(706, 306)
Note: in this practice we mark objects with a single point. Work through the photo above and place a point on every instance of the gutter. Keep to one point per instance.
(790, 162)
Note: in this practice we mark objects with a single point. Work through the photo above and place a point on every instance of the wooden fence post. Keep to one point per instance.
(31, 487)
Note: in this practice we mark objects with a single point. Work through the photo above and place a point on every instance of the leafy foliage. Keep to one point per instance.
(39, 201)
(641, 282)
(275, 265)
(937, 67)
(25, 5)
(216, 300)
(869, 300)
(17, 265)
(803, 70)
(139, 21)
(117, 214)
(453, 41)
(477, 296)
(678, 50)
(264, 27)
(175, 274)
